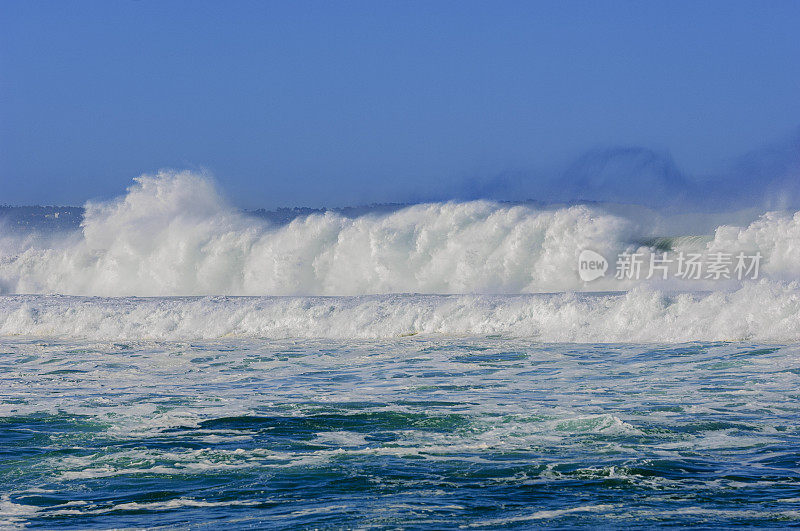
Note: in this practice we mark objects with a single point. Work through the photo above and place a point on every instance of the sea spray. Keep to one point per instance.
(172, 234)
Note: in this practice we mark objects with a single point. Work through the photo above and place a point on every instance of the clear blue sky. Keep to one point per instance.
(335, 103)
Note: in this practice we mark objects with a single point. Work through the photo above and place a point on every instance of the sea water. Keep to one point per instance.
(412, 432)
(177, 363)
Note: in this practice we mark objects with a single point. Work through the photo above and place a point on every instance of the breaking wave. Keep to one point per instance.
(329, 275)
(172, 234)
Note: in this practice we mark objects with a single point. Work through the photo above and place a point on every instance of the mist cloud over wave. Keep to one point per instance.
(766, 178)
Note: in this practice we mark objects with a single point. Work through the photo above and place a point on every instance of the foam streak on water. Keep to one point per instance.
(482, 432)
(762, 311)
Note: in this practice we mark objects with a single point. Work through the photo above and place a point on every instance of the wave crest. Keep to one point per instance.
(172, 234)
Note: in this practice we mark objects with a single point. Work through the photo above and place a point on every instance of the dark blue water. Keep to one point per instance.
(414, 433)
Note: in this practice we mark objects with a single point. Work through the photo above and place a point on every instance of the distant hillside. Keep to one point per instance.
(282, 216)
(66, 218)
(58, 218)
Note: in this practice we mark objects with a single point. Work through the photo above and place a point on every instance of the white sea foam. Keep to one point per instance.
(172, 234)
(540, 515)
(763, 311)
(776, 235)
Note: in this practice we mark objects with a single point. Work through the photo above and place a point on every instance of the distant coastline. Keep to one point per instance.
(56, 218)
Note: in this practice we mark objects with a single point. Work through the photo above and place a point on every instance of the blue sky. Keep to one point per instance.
(333, 103)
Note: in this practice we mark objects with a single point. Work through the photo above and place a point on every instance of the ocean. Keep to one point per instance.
(459, 432)
(173, 363)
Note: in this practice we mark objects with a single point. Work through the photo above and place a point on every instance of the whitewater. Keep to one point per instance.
(172, 259)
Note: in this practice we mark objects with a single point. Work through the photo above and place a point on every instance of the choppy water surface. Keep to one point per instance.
(413, 432)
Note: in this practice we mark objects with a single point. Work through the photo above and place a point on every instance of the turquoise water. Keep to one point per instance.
(414, 432)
